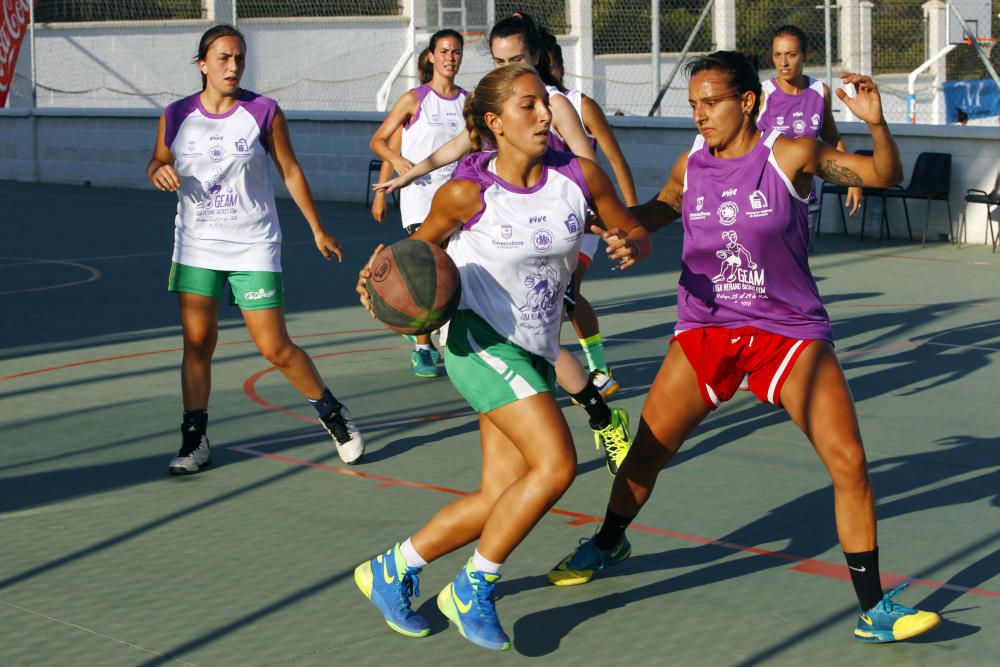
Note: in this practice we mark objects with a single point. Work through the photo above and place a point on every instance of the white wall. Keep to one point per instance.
(111, 148)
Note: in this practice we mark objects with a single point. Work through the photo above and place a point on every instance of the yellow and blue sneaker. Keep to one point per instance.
(614, 439)
(468, 603)
(579, 567)
(889, 621)
(389, 582)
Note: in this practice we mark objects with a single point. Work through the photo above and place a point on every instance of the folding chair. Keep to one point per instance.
(988, 199)
(931, 180)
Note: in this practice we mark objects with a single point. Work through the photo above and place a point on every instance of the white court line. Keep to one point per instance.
(95, 633)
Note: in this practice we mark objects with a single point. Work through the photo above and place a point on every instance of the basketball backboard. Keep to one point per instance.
(978, 16)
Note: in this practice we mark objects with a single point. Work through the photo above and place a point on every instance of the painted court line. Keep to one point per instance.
(803, 565)
(94, 275)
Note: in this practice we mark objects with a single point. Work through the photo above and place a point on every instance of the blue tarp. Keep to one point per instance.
(979, 98)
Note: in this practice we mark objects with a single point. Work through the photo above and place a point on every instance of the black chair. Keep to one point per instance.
(374, 166)
(931, 180)
(990, 200)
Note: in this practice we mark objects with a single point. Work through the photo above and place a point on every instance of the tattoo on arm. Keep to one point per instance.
(673, 200)
(838, 174)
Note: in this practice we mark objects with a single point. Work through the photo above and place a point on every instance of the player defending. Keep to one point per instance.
(765, 319)
(212, 149)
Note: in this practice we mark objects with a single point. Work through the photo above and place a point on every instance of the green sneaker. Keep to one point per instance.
(579, 567)
(422, 364)
(614, 439)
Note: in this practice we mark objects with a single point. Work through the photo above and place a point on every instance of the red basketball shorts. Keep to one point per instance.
(722, 358)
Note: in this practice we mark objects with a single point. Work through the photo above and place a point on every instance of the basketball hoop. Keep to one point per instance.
(985, 43)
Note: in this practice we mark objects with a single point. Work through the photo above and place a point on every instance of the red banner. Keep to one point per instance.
(14, 18)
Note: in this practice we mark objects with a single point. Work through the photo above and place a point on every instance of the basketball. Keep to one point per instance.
(414, 287)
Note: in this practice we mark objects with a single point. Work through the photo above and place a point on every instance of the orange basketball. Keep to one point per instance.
(414, 287)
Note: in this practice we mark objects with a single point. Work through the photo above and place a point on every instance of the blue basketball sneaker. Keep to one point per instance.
(468, 603)
(889, 621)
(389, 582)
(579, 567)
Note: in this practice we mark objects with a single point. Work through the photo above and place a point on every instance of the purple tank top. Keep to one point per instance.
(745, 259)
(793, 115)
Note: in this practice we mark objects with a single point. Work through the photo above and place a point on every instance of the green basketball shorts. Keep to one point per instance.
(250, 290)
(488, 370)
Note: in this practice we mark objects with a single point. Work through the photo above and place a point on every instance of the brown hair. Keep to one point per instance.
(425, 68)
(489, 96)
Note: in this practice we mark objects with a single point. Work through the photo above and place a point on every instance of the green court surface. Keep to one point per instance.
(105, 560)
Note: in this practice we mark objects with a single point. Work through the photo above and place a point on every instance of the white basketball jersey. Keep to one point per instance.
(437, 120)
(226, 218)
(517, 255)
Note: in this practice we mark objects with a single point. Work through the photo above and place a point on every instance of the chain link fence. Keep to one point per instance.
(336, 54)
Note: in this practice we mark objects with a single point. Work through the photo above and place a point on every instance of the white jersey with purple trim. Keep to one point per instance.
(226, 218)
(517, 254)
(438, 119)
(575, 98)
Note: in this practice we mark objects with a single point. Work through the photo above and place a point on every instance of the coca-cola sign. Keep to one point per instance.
(13, 24)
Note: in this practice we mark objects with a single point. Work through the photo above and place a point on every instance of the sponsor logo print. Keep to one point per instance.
(542, 240)
(453, 124)
(572, 223)
(731, 192)
(216, 152)
(536, 219)
(241, 146)
(727, 212)
(389, 578)
(506, 231)
(192, 146)
(815, 120)
(463, 607)
(381, 269)
(780, 120)
(699, 204)
(799, 126)
(258, 295)
(758, 200)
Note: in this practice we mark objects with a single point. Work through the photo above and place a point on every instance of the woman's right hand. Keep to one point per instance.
(165, 178)
(363, 275)
(392, 184)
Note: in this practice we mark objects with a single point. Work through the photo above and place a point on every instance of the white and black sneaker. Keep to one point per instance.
(347, 437)
(195, 452)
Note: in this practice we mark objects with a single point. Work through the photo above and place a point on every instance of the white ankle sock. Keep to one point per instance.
(480, 563)
(410, 554)
(421, 346)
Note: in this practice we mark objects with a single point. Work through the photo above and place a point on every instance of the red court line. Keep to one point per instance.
(803, 565)
(172, 349)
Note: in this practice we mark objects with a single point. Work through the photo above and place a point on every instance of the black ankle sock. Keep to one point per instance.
(865, 577)
(612, 530)
(595, 405)
(325, 403)
(196, 418)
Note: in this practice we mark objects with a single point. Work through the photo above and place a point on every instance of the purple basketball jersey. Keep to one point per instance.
(793, 115)
(745, 260)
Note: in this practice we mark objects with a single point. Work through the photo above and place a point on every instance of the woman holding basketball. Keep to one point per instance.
(748, 304)
(514, 218)
(799, 105)
(212, 149)
(517, 39)
(428, 115)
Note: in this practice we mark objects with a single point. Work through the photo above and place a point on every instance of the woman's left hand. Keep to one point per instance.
(867, 102)
(622, 249)
(328, 245)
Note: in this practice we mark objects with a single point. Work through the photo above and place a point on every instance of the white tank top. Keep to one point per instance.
(437, 120)
(226, 218)
(575, 98)
(516, 256)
